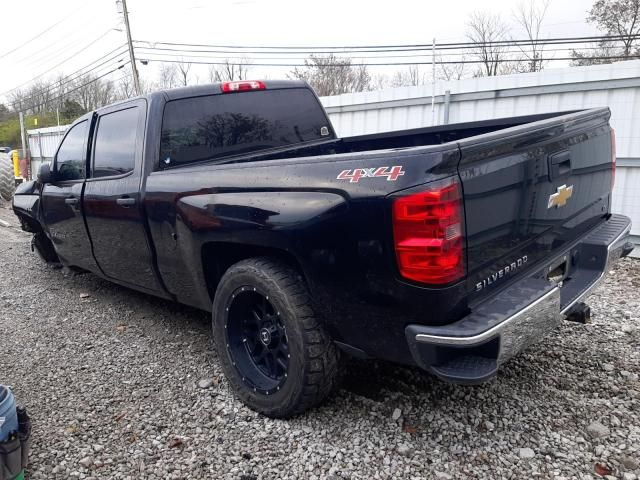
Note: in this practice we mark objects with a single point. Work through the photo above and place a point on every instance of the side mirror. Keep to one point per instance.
(45, 175)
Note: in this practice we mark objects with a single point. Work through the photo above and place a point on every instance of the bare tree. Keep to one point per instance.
(183, 72)
(530, 16)
(485, 29)
(410, 77)
(125, 88)
(361, 78)
(380, 82)
(92, 92)
(451, 71)
(39, 97)
(61, 85)
(331, 75)
(230, 70)
(619, 18)
(168, 76)
(84, 95)
(42, 93)
(18, 100)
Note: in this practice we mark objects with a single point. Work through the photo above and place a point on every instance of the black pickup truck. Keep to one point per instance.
(451, 247)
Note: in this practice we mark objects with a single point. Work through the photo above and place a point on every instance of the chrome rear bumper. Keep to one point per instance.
(471, 349)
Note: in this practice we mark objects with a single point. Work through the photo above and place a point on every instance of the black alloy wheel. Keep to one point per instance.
(257, 340)
(276, 355)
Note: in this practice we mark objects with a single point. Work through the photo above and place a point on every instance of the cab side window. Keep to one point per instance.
(71, 160)
(115, 144)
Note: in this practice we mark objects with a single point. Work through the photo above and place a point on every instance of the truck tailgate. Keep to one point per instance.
(530, 191)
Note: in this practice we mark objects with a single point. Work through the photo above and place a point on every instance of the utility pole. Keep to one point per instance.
(433, 82)
(132, 57)
(24, 143)
(22, 135)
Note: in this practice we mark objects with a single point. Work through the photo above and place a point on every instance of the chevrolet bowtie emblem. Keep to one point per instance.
(559, 199)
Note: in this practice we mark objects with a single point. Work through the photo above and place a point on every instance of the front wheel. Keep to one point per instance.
(276, 355)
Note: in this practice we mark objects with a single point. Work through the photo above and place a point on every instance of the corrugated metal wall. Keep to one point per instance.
(43, 143)
(616, 86)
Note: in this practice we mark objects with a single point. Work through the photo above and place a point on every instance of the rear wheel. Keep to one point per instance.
(274, 352)
(7, 178)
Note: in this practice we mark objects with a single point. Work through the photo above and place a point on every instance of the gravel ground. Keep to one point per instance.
(114, 382)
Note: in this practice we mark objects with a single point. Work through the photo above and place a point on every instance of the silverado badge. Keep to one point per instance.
(559, 199)
(494, 277)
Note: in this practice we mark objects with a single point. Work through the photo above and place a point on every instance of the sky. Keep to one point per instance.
(71, 25)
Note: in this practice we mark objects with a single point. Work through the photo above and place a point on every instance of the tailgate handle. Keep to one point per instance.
(559, 164)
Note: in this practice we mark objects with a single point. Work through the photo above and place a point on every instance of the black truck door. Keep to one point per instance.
(61, 201)
(112, 204)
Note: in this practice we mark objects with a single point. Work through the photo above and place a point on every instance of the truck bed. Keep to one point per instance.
(416, 137)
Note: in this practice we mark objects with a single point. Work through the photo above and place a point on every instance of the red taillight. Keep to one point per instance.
(613, 158)
(427, 232)
(242, 86)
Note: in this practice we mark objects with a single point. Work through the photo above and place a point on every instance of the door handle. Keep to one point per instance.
(71, 201)
(126, 202)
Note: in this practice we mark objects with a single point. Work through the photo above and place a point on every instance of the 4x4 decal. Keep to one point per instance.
(354, 176)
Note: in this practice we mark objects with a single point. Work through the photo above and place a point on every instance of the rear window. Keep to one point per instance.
(215, 126)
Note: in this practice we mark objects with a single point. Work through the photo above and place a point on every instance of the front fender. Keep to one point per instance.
(26, 206)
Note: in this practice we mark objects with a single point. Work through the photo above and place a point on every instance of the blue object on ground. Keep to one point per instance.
(8, 414)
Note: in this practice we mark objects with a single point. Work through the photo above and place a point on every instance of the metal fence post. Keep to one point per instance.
(447, 104)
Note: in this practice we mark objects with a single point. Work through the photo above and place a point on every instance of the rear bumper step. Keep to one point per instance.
(472, 349)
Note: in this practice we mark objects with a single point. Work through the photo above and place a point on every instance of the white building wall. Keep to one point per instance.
(43, 143)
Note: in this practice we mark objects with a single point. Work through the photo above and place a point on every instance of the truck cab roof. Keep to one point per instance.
(216, 88)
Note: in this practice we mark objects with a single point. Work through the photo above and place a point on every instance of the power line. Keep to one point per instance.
(44, 31)
(79, 70)
(53, 51)
(66, 80)
(397, 47)
(79, 87)
(256, 55)
(352, 64)
(441, 47)
(149, 51)
(60, 63)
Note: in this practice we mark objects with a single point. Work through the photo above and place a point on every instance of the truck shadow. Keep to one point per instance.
(157, 317)
(362, 380)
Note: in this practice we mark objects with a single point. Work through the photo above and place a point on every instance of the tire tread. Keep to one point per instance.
(7, 180)
(321, 362)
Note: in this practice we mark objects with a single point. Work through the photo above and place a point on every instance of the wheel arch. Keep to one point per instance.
(218, 257)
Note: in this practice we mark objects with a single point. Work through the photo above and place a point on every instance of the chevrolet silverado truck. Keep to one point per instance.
(451, 247)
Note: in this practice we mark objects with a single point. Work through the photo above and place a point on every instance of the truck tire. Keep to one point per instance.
(7, 178)
(275, 354)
